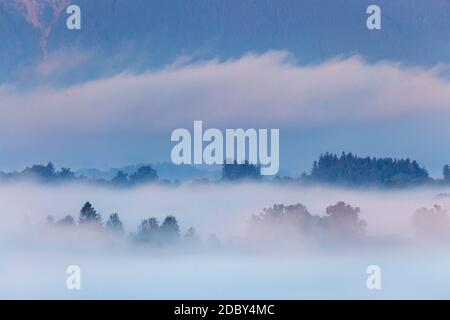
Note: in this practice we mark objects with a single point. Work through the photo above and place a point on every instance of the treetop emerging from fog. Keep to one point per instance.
(352, 170)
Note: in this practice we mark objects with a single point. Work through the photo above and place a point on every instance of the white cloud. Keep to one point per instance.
(269, 90)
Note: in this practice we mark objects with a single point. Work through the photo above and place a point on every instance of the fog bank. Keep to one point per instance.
(35, 255)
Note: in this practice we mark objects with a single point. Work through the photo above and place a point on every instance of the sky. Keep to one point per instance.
(111, 93)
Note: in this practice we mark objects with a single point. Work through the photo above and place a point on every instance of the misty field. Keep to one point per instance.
(227, 262)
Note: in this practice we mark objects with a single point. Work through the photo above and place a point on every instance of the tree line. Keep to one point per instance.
(346, 169)
(356, 171)
(48, 174)
(148, 231)
(341, 223)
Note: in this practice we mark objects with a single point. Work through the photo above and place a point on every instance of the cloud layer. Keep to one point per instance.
(268, 90)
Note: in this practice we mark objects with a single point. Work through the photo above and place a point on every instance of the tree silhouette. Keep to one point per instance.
(121, 179)
(89, 215)
(243, 171)
(40, 172)
(114, 224)
(342, 220)
(144, 174)
(170, 229)
(284, 222)
(432, 222)
(148, 230)
(65, 174)
(191, 235)
(66, 221)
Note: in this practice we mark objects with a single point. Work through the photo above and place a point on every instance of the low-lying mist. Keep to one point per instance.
(310, 242)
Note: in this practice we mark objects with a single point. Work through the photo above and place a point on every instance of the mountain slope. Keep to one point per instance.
(143, 34)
